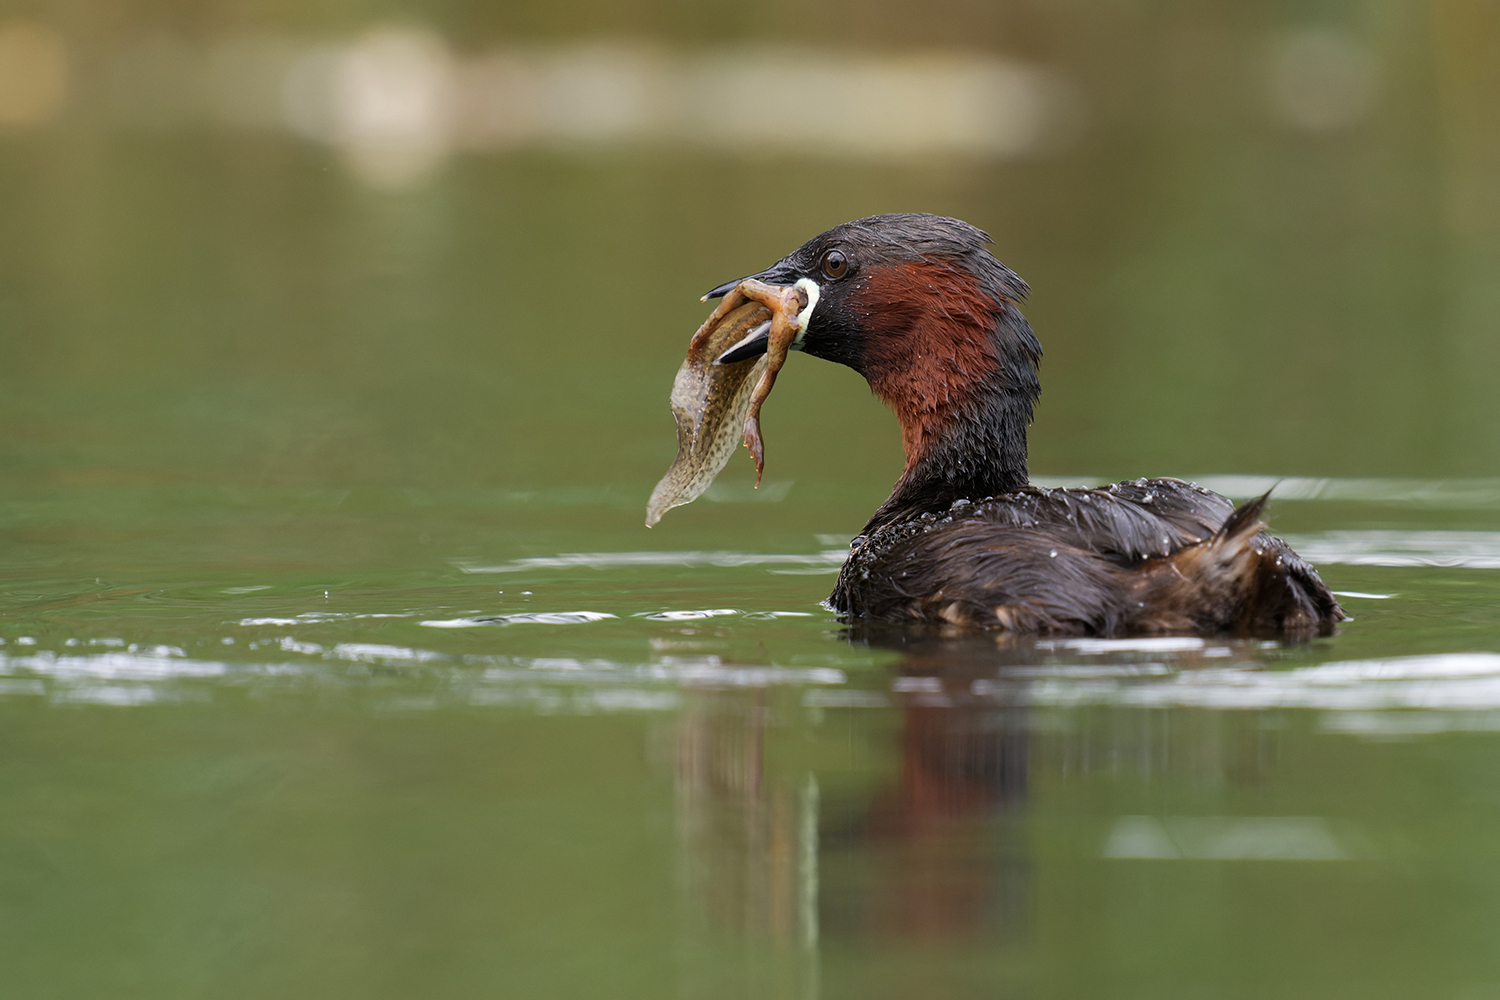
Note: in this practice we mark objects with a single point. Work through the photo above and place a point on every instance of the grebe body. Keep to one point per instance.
(919, 307)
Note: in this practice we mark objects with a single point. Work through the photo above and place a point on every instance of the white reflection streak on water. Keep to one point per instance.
(320, 616)
(1452, 549)
(1089, 671)
(544, 684)
(1224, 838)
(1445, 681)
(115, 666)
(119, 679)
(370, 652)
(703, 671)
(1153, 644)
(527, 618)
(1399, 725)
(844, 698)
(115, 694)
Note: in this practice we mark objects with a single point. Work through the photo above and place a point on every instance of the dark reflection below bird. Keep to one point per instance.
(919, 307)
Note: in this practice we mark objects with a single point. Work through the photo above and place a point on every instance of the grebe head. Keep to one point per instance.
(919, 307)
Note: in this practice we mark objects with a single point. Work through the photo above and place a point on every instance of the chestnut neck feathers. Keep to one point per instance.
(959, 370)
(931, 322)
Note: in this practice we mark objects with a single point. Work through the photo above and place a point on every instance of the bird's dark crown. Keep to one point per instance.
(909, 237)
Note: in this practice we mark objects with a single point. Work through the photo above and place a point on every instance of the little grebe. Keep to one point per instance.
(919, 307)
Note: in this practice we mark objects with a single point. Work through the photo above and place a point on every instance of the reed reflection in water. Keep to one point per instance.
(748, 853)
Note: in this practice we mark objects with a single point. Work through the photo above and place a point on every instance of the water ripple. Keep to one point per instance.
(1464, 688)
(1444, 681)
(1466, 549)
(532, 618)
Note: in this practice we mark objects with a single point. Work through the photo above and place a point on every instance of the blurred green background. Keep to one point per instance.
(1262, 237)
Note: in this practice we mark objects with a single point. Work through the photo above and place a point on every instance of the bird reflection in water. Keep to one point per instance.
(937, 853)
(924, 848)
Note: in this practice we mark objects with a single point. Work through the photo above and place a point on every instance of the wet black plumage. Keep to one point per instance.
(1153, 555)
(917, 305)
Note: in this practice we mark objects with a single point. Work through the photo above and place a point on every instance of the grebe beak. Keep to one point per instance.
(722, 290)
(780, 273)
(752, 346)
(758, 341)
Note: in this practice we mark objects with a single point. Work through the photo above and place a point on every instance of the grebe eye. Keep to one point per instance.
(835, 264)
